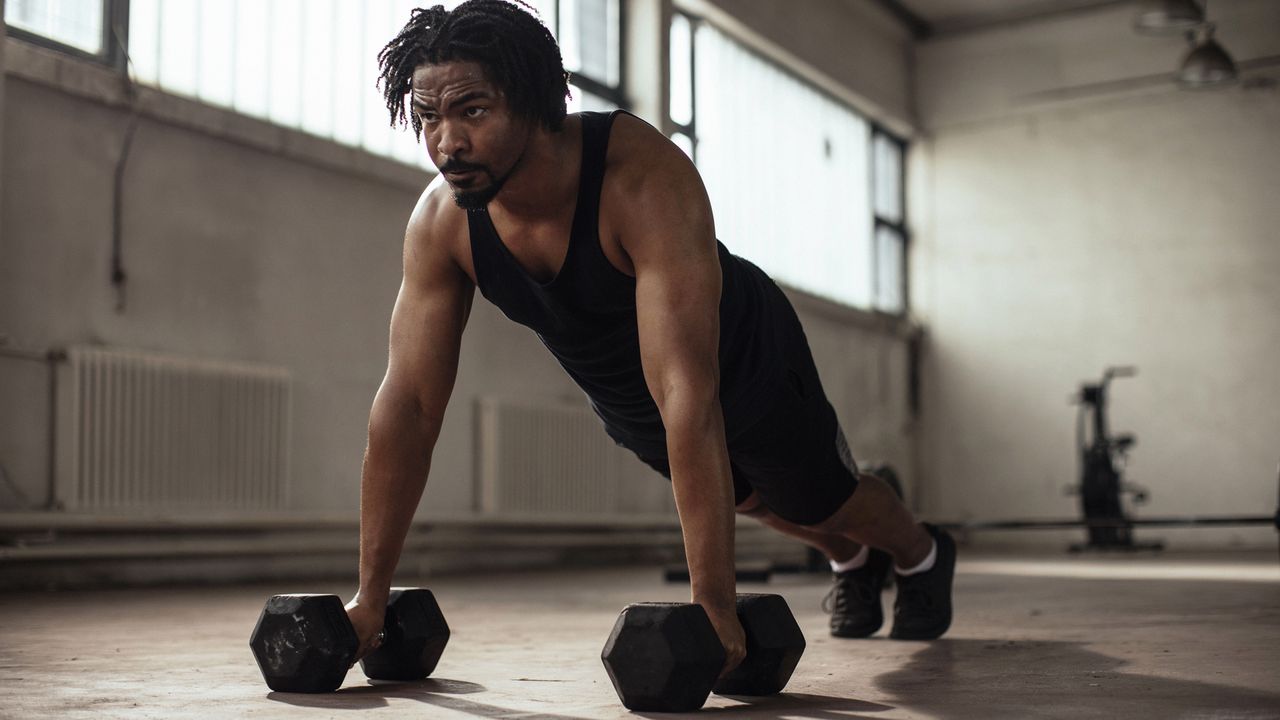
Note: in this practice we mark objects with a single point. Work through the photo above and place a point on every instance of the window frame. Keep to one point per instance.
(879, 221)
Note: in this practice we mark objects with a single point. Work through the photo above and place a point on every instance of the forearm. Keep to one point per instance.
(396, 466)
(703, 485)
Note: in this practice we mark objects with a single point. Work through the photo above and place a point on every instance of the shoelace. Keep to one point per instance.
(837, 601)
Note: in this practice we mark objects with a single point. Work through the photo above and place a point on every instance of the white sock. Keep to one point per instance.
(925, 565)
(854, 562)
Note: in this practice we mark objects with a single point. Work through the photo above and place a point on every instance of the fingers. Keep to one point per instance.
(732, 661)
(369, 646)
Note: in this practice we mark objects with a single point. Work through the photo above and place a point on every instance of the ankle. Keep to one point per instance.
(917, 551)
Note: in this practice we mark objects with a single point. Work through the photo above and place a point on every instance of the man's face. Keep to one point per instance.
(473, 138)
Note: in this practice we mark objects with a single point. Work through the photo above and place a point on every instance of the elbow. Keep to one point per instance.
(690, 401)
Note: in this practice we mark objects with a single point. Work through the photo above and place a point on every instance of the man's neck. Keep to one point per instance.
(545, 178)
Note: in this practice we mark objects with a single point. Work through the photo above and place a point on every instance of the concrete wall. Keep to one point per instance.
(247, 242)
(1074, 210)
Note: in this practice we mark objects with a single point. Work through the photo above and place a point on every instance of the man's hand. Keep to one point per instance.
(367, 619)
(725, 621)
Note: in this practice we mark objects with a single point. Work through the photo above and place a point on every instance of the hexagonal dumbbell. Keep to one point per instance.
(666, 657)
(305, 643)
(416, 634)
(663, 657)
(774, 647)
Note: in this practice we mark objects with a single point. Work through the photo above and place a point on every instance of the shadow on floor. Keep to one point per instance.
(793, 705)
(440, 692)
(1025, 679)
(443, 693)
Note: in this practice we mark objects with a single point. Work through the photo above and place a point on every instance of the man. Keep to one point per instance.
(596, 232)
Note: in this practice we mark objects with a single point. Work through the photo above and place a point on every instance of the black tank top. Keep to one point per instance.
(586, 315)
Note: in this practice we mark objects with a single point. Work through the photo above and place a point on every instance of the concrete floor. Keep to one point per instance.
(1033, 638)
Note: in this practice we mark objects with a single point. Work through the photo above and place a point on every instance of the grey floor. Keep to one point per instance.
(1034, 637)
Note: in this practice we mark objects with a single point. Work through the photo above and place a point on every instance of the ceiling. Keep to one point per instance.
(931, 18)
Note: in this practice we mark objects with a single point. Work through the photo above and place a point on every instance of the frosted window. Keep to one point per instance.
(583, 100)
(890, 270)
(790, 179)
(589, 39)
(684, 142)
(77, 23)
(888, 169)
(308, 64)
(681, 70)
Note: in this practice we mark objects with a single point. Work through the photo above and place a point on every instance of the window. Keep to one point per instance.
(590, 37)
(76, 26)
(256, 56)
(801, 184)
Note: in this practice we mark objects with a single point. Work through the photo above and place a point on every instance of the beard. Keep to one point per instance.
(478, 199)
(475, 198)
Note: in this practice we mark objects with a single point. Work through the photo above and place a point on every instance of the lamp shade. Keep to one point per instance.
(1167, 17)
(1207, 65)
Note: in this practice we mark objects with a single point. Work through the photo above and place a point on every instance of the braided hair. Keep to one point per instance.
(517, 52)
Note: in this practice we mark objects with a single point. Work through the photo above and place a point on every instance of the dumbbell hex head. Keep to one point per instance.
(774, 646)
(303, 643)
(416, 634)
(663, 657)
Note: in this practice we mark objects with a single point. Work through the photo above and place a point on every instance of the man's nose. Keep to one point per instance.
(453, 139)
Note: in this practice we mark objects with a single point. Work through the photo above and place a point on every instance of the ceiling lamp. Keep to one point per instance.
(1167, 17)
(1207, 65)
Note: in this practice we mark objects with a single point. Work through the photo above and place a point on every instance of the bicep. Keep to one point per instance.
(678, 282)
(427, 322)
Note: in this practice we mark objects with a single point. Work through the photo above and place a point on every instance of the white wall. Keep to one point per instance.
(1072, 212)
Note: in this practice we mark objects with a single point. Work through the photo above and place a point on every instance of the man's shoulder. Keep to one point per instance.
(640, 156)
(436, 219)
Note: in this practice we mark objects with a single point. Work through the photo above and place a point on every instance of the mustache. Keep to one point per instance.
(455, 166)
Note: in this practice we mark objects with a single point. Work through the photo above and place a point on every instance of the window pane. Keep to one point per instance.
(888, 169)
(217, 41)
(77, 23)
(144, 40)
(583, 100)
(179, 41)
(809, 225)
(589, 39)
(890, 270)
(684, 142)
(681, 70)
(251, 52)
(318, 57)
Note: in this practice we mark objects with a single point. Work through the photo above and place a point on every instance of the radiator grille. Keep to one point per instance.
(143, 431)
(542, 459)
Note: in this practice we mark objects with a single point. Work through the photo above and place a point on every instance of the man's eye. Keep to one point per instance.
(427, 118)
(476, 111)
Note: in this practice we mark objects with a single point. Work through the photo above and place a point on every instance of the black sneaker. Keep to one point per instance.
(922, 610)
(854, 598)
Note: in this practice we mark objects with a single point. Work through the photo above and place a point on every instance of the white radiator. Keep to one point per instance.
(139, 431)
(542, 458)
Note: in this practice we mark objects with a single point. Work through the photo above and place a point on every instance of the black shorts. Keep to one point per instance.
(795, 457)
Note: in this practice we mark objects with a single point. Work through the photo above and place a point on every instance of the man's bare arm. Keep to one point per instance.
(667, 230)
(426, 333)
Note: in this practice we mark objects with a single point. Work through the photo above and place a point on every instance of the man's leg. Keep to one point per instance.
(873, 516)
(836, 547)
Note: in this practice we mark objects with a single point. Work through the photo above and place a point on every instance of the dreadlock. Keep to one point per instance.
(516, 51)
